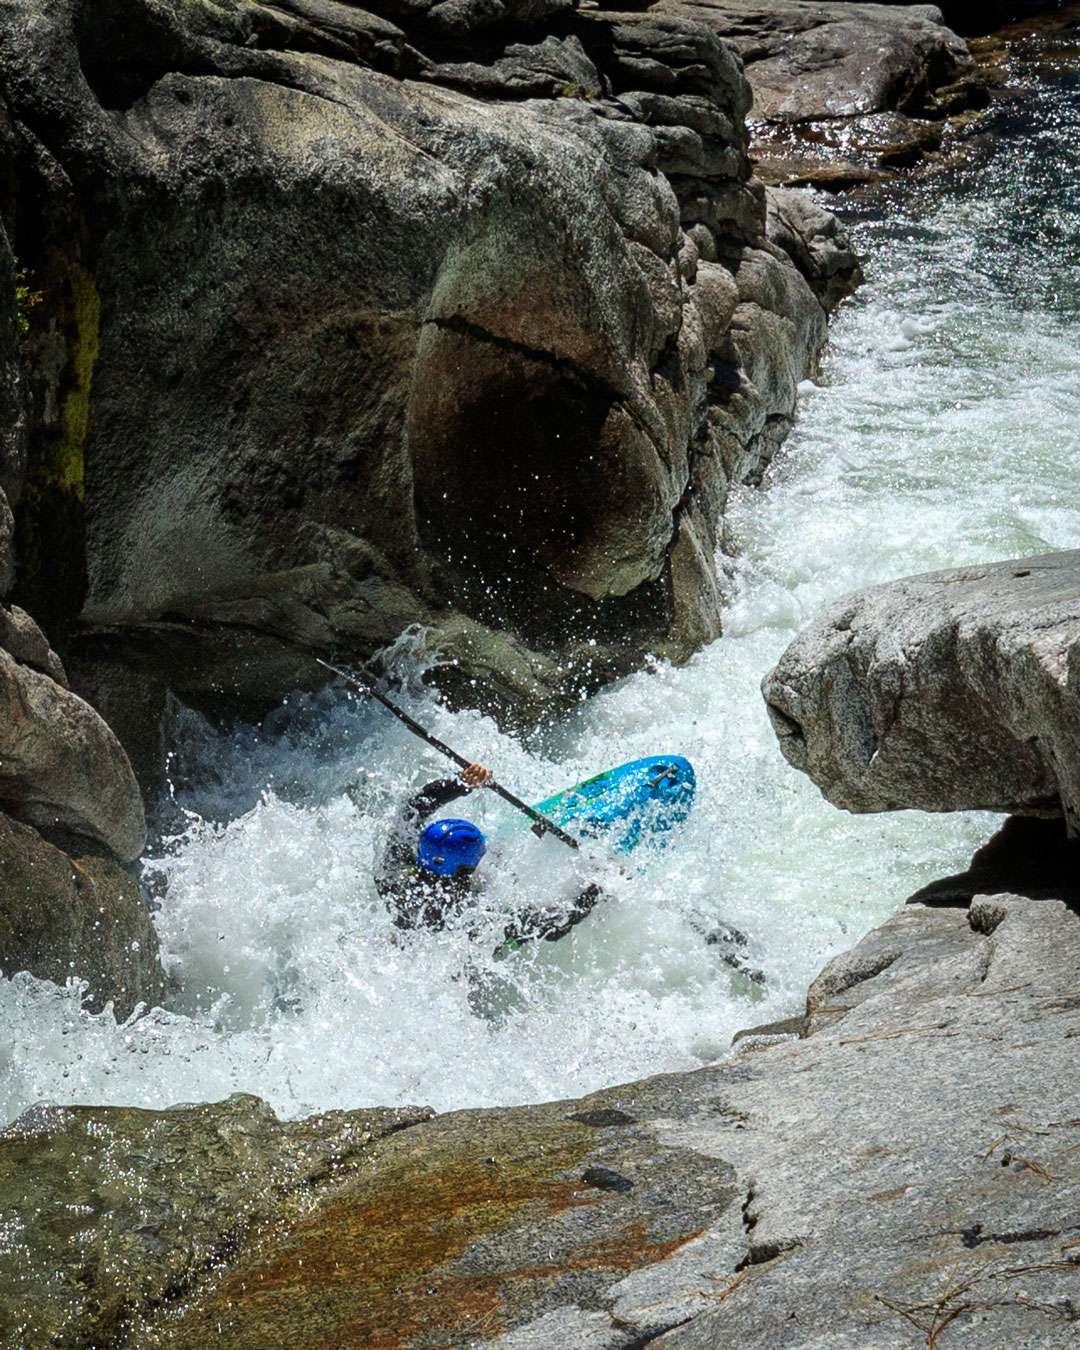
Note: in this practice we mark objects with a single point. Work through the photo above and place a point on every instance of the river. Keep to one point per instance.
(943, 431)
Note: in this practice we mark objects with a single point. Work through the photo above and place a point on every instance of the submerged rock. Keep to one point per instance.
(839, 153)
(953, 691)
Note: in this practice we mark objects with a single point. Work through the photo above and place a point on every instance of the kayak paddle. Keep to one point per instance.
(540, 823)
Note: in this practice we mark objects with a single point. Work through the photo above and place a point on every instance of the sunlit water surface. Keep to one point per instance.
(944, 431)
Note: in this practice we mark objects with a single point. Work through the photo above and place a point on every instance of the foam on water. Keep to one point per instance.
(944, 431)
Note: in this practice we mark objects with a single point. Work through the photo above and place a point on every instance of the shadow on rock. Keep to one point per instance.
(1027, 856)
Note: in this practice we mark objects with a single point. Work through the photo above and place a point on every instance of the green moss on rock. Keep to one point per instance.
(50, 536)
(460, 1230)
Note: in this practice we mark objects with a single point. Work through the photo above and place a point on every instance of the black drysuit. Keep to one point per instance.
(420, 899)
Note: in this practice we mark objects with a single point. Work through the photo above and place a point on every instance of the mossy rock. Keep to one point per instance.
(118, 1210)
(462, 1229)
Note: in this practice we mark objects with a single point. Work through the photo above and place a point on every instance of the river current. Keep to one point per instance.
(943, 431)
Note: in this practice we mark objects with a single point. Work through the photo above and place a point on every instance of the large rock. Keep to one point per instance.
(909, 1159)
(947, 692)
(151, 1201)
(919, 1174)
(69, 910)
(60, 765)
(357, 320)
(807, 61)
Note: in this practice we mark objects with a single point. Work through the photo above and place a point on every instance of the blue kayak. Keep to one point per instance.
(636, 804)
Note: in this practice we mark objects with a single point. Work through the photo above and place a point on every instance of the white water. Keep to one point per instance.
(944, 432)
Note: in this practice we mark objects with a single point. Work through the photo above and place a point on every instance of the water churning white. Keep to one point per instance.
(944, 430)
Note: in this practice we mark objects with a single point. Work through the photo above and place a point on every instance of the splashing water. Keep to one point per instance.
(944, 432)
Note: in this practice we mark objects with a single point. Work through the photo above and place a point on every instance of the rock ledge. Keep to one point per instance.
(953, 691)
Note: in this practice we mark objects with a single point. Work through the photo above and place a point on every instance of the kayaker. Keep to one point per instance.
(427, 867)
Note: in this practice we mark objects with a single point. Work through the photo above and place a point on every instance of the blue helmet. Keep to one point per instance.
(446, 846)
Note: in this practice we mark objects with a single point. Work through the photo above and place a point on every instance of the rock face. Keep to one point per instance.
(152, 1200)
(788, 1196)
(458, 316)
(67, 906)
(947, 692)
(74, 911)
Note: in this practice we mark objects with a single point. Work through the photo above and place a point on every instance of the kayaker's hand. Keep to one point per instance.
(476, 776)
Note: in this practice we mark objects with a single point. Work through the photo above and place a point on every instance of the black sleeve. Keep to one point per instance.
(554, 921)
(433, 797)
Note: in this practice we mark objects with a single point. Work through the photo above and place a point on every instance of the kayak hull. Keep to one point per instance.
(632, 806)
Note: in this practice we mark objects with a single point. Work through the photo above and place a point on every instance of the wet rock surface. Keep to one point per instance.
(809, 61)
(480, 1222)
(412, 319)
(952, 691)
(71, 816)
(786, 1196)
(844, 94)
(69, 910)
(110, 1211)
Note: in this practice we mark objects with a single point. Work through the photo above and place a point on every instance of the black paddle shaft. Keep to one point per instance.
(367, 687)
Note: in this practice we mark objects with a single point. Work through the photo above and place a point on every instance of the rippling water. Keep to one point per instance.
(944, 431)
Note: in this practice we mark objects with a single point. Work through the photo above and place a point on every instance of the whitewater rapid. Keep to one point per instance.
(944, 431)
